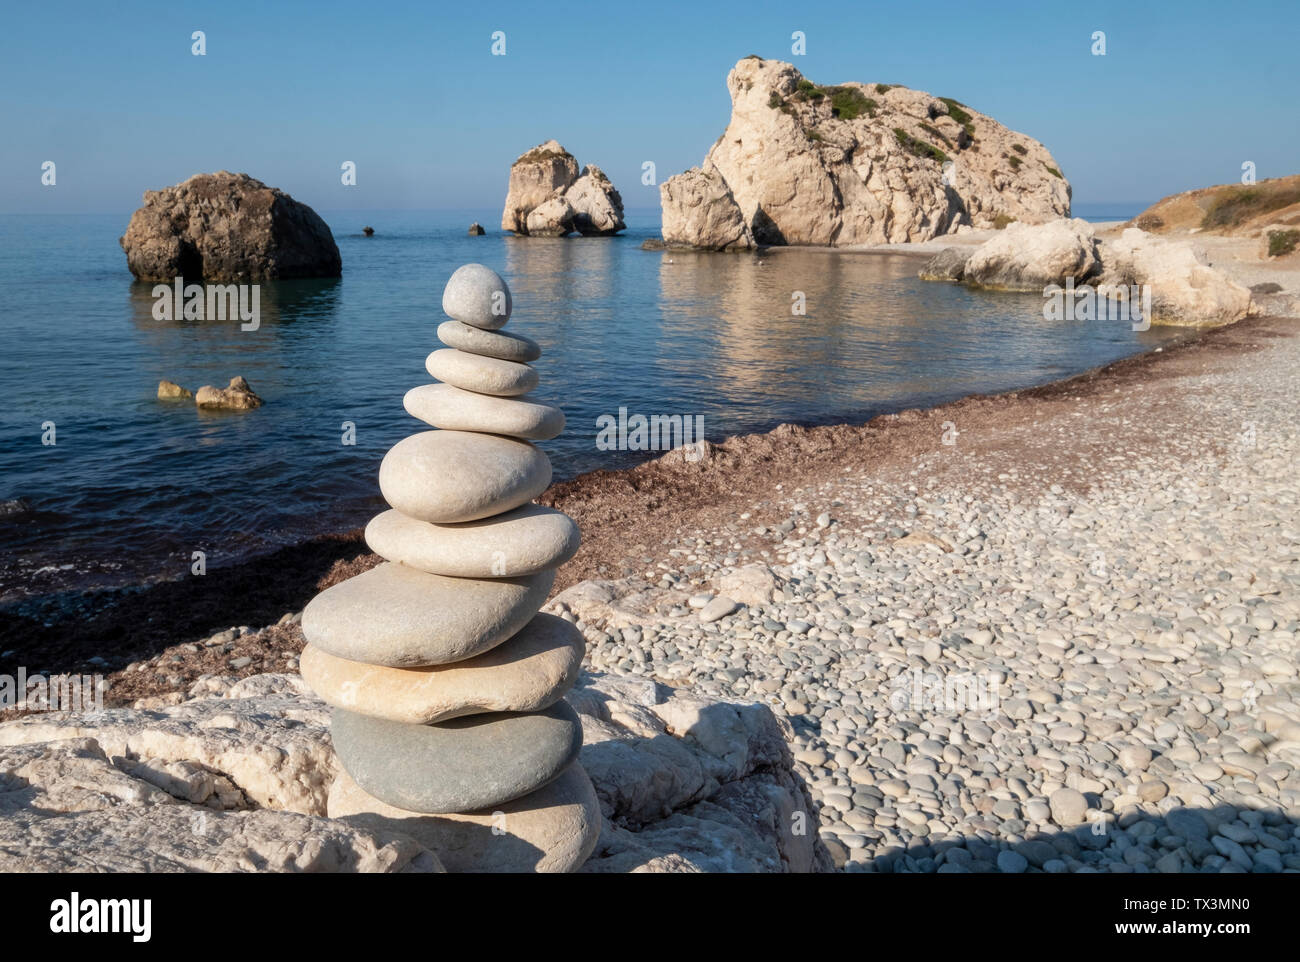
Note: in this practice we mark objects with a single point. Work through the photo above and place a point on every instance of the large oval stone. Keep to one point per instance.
(448, 407)
(528, 672)
(520, 542)
(502, 344)
(484, 375)
(404, 618)
(553, 829)
(450, 476)
(477, 296)
(460, 765)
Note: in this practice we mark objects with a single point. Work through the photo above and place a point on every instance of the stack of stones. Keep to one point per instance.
(447, 683)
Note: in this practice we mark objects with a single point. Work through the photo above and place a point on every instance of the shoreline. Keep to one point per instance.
(626, 515)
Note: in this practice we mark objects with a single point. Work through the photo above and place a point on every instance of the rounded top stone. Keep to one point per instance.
(477, 296)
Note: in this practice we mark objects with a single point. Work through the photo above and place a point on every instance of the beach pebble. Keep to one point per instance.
(477, 296)
(460, 765)
(449, 407)
(482, 375)
(551, 829)
(523, 541)
(1069, 807)
(528, 672)
(503, 344)
(399, 617)
(452, 476)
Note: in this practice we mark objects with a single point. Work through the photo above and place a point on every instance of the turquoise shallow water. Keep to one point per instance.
(134, 485)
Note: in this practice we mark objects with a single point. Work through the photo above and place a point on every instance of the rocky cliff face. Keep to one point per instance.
(548, 198)
(227, 227)
(858, 164)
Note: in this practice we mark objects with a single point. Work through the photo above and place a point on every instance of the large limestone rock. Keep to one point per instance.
(863, 163)
(534, 177)
(700, 211)
(1183, 290)
(597, 204)
(1029, 258)
(547, 197)
(238, 778)
(227, 227)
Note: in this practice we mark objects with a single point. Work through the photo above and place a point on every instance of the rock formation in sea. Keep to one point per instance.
(446, 681)
(854, 163)
(236, 396)
(227, 227)
(547, 197)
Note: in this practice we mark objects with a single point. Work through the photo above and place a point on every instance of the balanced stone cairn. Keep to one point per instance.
(446, 682)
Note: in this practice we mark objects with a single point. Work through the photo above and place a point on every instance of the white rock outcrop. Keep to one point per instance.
(860, 163)
(1183, 290)
(237, 779)
(1028, 258)
(1031, 258)
(700, 211)
(547, 197)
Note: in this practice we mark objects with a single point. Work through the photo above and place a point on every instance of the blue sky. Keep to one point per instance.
(411, 93)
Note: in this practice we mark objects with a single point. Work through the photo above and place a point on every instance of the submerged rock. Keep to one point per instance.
(170, 391)
(227, 227)
(947, 265)
(236, 396)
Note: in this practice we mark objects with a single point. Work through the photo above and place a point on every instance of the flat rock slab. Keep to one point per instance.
(446, 406)
(405, 618)
(529, 672)
(524, 541)
(483, 375)
(502, 344)
(450, 476)
(684, 784)
(552, 829)
(67, 806)
(476, 295)
(457, 766)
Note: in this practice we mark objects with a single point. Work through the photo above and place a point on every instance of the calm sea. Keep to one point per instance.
(133, 485)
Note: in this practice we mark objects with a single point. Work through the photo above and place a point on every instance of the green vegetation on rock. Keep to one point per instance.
(919, 148)
(1055, 173)
(1282, 242)
(1001, 221)
(1236, 205)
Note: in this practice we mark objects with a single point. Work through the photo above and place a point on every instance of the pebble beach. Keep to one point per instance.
(1116, 561)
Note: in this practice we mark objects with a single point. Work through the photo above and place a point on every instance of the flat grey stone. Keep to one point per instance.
(502, 344)
(477, 296)
(404, 618)
(462, 765)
